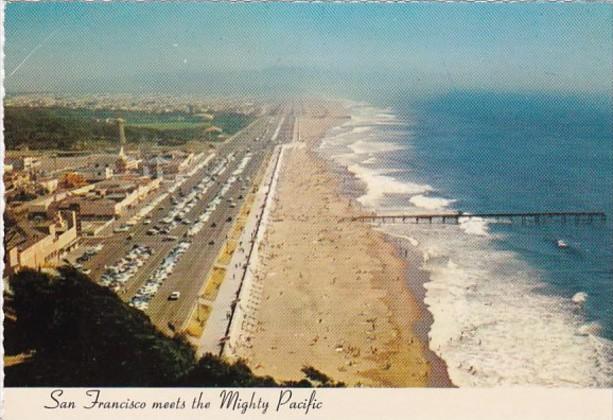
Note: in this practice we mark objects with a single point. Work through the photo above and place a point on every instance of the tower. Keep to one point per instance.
(122, 159)
(122, 136)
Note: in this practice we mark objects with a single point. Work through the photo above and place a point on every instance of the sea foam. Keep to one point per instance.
(365, 147)
(430, 203)
(380, 183)
(491, 324)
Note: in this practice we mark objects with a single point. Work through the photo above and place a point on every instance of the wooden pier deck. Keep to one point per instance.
(535, 218)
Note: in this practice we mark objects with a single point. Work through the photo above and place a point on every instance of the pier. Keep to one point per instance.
(531, 218)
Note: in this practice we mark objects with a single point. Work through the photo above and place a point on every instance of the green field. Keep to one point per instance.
(172, 125)
(82, 129)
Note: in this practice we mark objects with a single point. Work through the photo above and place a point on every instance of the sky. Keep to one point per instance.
(308, 48)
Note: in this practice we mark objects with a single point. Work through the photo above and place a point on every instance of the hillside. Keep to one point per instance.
(68, 331)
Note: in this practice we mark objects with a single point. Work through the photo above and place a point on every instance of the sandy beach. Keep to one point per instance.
(333, 294)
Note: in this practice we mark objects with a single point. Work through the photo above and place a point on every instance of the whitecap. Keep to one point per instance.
(367, 147)
(361, 129)
(490, 323)
(430, 203)
(474, 226)
(589, 328)
(379, 183)
(579, 298)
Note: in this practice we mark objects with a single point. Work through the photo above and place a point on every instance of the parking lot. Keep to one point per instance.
(157, 258)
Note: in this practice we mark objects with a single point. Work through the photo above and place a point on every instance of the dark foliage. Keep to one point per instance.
(41, 129)
(212, 371)
(321, 378)
(82, 334)
(77, 129)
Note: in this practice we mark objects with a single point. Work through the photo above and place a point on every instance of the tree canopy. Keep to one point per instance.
(80, 129)
(82, 334)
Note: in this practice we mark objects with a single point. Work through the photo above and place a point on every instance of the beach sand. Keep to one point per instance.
(334, 294)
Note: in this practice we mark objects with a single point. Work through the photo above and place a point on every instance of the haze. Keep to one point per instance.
(347, 49)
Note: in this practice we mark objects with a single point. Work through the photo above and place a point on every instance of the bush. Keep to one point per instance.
(82, 334)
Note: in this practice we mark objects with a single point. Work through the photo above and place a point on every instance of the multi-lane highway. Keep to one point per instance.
(238, 160)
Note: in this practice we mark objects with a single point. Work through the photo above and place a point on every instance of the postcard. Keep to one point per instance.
(325, 210)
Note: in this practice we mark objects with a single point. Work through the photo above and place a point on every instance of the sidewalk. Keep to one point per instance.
(219, 318)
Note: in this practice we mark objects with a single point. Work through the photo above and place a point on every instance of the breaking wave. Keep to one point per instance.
(492, 324)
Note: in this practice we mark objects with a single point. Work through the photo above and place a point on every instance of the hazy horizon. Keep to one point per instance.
(354, 50)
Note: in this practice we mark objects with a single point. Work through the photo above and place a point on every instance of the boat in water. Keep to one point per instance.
(562, 244)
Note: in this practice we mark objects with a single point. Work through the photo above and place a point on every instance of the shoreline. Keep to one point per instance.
(370, 338)
(415, 278)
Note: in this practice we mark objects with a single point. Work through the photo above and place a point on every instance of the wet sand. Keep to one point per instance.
(334, 293)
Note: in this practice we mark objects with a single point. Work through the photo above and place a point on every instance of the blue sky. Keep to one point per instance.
(508, 47)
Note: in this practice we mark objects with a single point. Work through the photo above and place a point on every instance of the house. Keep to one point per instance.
(40, 244)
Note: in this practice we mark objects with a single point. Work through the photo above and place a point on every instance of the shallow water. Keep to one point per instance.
(501, 295)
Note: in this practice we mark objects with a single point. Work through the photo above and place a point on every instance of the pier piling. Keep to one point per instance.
(537, 218)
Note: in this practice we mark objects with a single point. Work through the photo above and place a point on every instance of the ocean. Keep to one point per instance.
(509, 306)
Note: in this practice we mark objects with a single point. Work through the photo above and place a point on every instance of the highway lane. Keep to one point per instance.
(116, 245)
(200, 256)
(194, 266)
(200, 207)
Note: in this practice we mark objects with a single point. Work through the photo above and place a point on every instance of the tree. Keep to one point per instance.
(82, 334)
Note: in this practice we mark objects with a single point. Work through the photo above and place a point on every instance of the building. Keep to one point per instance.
(110, 198)
(42, 206)
(16, 179)
(50, 184)
(154, 167)
(99, 172)
(31, 244)
(23, 163)
(177, 161)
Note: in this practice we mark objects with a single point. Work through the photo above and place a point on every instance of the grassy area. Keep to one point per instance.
(198, 320)
(172, 125)
(214, 283)
(226, 255)
(86, 129)
(131, 117)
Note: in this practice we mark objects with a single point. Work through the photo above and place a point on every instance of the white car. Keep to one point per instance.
(174, 295)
